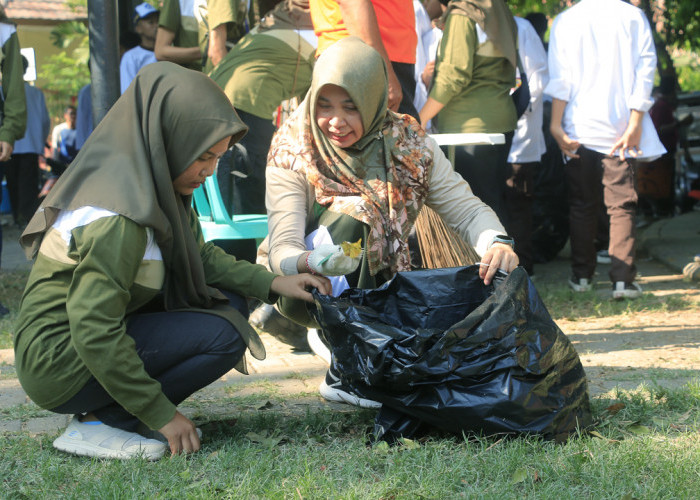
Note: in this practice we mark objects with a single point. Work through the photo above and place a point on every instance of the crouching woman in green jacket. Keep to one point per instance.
(122, 317)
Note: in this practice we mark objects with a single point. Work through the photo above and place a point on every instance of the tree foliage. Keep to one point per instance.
(68, 70)
(681, 24)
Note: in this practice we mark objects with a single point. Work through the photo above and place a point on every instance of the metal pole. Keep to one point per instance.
(104, 56)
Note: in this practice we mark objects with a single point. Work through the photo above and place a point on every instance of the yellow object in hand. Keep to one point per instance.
(352, 250)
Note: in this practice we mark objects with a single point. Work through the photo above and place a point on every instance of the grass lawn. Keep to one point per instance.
(645, 445)
(11, 288)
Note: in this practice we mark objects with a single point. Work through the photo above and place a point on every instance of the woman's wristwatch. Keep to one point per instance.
(504, 239)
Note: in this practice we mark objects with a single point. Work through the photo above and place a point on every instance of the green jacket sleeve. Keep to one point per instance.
(225, 271)
(455, 62)
(169, 17)
(15, 106)
(225, 11)
(109, 252)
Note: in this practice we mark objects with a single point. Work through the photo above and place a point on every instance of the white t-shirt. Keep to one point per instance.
(602, 62)
(132, 61)
(56, 133)
(528, 139)
(426, 50)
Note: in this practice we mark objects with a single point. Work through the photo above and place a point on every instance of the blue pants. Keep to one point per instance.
(184, 351)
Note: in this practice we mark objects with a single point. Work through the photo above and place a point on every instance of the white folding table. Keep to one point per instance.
(452, 140)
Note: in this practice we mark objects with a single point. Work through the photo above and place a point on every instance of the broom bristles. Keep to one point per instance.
(440, 246)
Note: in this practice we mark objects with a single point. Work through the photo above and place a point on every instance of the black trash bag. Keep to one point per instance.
(438, 347)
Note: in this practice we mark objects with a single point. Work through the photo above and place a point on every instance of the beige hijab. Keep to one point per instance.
(495, 19)
(167, 117)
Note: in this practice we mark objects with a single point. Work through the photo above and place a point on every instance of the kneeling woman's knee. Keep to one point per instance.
(225, 338)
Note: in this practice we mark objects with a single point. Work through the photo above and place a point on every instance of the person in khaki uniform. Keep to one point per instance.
(221, 24)
(127, 311)
(470, 92)
(177, 36)
(269, 65)
(13, 119)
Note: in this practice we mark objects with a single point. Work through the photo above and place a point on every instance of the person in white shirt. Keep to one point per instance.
(429, 37)
(601, 67)
(528, 145)
(146, 26)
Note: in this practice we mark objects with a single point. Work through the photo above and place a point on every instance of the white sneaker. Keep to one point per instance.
(622, 290)
(333, 389)
(102, 441)
(317, 345)
(579, 285)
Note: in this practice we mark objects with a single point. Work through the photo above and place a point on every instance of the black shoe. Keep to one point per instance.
(333, 389)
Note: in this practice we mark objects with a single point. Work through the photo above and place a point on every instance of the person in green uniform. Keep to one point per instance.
(264, 75)
(269, 65)
(13, 113)
(470, 91)
(177, 37)
(127, 311)
(221, 24)
(345, 168)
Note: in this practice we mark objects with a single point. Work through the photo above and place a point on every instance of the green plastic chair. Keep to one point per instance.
(215, 220)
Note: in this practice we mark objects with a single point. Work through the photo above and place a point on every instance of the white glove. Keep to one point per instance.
(330, 260)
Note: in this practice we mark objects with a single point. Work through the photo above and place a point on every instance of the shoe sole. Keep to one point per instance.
(626, 295)
(578, 288)
(337, 396)
(89, 450)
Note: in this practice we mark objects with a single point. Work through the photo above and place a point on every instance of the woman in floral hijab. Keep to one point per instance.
(345, 162)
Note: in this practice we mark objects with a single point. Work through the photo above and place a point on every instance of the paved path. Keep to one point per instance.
(671, 241)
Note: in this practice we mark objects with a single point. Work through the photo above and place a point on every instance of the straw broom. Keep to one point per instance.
(439, 245)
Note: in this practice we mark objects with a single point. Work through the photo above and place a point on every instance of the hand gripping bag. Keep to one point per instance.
(440, 349)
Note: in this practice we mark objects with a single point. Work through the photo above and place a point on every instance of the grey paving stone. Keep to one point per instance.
(11, 393)
(10, 426)
(46, 425)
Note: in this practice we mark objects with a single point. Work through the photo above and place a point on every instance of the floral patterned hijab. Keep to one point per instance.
(382, 179)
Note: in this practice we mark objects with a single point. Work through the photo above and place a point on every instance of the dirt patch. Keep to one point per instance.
(650, 347)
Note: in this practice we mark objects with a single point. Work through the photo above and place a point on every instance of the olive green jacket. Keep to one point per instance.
(76, 307)
(14, 104)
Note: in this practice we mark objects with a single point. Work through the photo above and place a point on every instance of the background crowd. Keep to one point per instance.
(454, 66)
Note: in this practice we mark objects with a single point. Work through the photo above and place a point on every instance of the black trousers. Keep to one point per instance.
(485, 168)
(404, 73)
(184, 351)
(22, 174)
(519, 193)
(245, 194)
(590, 175)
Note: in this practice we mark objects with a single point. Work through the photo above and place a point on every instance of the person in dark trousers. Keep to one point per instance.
(600, 122)
(22, 169)
(14, 106)
(127, 311)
